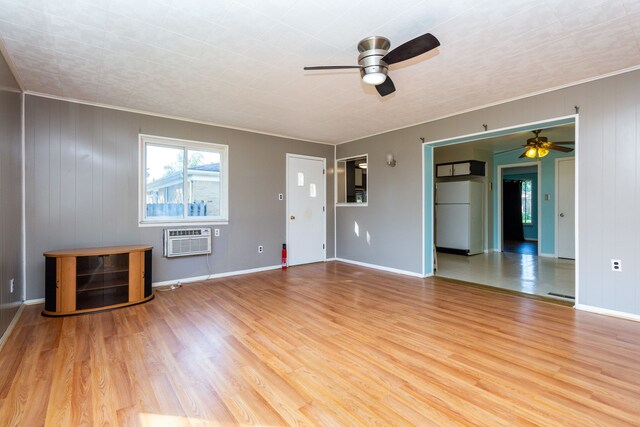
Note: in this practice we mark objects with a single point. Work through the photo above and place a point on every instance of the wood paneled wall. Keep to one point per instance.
(82, 188)
(608, 162)
(11, 252)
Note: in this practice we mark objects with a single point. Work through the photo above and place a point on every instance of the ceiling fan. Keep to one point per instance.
(375, 58)
(539, 146)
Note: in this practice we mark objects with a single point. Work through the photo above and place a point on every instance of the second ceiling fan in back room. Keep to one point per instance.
(539, 146)
(375, 58)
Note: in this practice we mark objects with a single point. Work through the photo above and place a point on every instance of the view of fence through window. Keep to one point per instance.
(171, 194)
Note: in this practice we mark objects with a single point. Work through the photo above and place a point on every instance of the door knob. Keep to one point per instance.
(561, 215)
(293, 217)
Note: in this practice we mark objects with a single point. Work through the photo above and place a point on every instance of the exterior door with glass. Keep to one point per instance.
(306, 209)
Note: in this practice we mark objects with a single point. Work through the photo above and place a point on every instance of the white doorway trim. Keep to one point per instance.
(324, 183)
(429, 180)
(498, 245)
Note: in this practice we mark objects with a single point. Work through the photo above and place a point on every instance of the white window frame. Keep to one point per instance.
(143, 221)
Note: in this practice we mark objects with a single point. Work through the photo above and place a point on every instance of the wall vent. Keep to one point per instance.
(186, 241)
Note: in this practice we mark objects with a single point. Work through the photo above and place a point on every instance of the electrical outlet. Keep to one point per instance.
(616, 265)
(280, 196)
(260, 249)
(216, 232)
(11, 283)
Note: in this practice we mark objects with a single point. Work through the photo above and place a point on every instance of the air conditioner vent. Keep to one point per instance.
(187, 241)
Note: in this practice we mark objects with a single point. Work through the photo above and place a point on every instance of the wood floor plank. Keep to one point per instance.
(323, 344)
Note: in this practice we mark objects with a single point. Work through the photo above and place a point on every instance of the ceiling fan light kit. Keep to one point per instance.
(372, 50)
(539, 146)
(534, 152)
(374, 59)
(531, 153)
(373, 79)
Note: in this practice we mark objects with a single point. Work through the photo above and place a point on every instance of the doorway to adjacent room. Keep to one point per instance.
(518, 202)
(531, 261)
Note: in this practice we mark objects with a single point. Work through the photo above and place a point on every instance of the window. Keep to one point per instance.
(182, 181)
(525, 193)
(352, 180)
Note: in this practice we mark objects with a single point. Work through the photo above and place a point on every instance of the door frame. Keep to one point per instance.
(498, 245)
(287, 193)
(428, 181)
(556, 209)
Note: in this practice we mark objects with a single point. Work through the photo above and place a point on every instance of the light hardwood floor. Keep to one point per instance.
(323, 344)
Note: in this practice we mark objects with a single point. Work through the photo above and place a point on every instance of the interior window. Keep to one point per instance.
(352, 180)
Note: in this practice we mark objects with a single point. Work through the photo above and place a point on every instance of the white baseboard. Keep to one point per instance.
(215, 276)
(380, 267)
(607, 312)
(330, 259)
(11, 326)
(34, 301)
(547, 255)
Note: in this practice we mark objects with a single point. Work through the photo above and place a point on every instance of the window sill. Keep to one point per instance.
(182, 223)
(363, 205)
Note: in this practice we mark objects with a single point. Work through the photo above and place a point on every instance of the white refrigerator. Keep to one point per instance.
(459, 217)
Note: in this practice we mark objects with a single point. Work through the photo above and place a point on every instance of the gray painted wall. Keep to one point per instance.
(82, 188)
(10, 196)
(608, 161)
(392, 218)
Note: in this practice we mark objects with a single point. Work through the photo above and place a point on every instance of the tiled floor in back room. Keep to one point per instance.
(513, 271)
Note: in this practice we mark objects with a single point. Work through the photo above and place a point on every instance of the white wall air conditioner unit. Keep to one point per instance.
(186, 241)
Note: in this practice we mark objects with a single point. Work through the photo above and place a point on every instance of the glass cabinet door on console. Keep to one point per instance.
(102, 280)
(91, 279)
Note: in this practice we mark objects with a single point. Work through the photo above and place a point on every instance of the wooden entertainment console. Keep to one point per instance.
(91, 279)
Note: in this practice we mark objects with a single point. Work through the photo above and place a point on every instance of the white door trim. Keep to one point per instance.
(498, 244)
(287, 193)
(515, 128)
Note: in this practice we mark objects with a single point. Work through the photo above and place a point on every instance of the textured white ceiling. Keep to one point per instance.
(239, 63)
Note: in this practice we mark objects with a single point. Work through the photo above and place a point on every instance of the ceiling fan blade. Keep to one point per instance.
(559, 148)
(412, 48)
(387, 87)
(331, 67)
(523, 155)
(563, 142)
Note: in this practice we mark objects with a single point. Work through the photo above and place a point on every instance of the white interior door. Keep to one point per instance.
(566, 209)
(306, 216)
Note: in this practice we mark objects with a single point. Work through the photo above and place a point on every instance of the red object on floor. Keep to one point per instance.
(284, 256)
